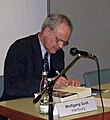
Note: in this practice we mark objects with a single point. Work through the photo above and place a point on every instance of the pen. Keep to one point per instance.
(57, 72)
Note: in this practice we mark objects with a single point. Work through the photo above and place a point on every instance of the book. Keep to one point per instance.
(60, 96)
(70, 93)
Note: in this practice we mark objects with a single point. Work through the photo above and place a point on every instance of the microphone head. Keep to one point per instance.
(73, 51)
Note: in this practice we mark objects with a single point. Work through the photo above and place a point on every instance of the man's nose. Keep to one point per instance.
(61, 45)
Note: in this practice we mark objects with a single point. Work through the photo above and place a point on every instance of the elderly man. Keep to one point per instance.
(23, 64)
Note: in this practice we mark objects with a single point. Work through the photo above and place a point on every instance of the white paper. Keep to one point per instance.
(105, 101)
(55, 112)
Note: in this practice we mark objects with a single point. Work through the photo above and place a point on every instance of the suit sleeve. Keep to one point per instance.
(17, 82)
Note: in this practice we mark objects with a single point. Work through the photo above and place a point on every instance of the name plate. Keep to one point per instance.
(75, 106)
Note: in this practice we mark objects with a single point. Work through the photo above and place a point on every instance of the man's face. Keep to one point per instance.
(56, 38)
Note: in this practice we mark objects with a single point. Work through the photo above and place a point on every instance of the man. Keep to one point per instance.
(23, 63)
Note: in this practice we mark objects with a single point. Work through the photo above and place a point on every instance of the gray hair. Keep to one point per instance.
(53, 20)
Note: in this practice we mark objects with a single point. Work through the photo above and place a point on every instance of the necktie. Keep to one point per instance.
(45, 62)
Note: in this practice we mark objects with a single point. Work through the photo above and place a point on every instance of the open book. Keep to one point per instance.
(70, 93)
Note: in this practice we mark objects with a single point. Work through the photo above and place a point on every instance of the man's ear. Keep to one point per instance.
(46, 31)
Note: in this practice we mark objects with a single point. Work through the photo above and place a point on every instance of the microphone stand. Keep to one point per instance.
(50, 85)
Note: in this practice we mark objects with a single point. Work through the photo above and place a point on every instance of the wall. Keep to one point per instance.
(19, 18)
(91, 21)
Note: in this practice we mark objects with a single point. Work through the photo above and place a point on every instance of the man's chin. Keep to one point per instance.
(53, 51)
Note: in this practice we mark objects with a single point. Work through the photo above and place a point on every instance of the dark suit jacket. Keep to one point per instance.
(23, 68)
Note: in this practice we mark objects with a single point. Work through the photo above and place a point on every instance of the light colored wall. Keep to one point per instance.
(19, 18)
(91, 21)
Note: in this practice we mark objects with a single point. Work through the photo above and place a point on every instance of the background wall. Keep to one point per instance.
(19, 18)
(91, 21)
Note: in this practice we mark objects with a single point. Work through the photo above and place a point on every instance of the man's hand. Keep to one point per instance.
(73, 82)
(63, 82)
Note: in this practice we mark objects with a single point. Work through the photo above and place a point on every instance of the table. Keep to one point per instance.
(25, 109)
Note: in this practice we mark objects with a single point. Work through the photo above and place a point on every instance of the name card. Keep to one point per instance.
(75, 106)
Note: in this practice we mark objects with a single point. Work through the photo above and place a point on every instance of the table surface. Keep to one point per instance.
(26, 109)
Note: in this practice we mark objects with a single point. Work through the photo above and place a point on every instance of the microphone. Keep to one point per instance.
(74, 51)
